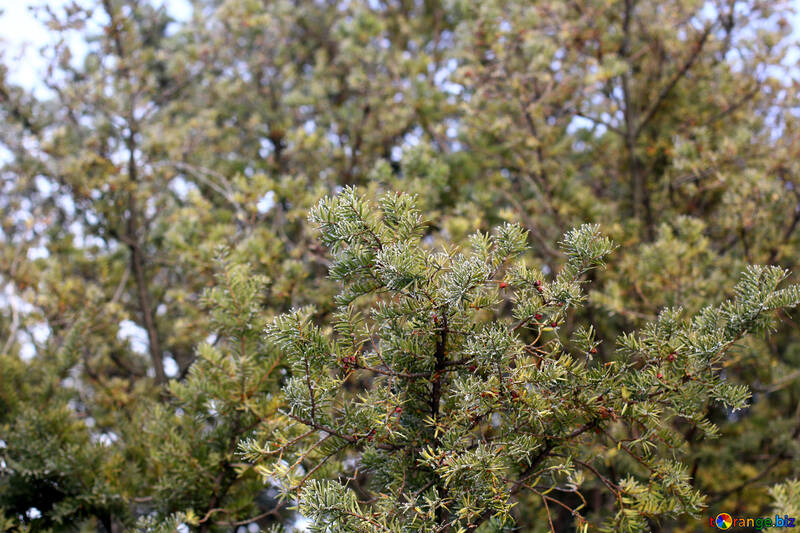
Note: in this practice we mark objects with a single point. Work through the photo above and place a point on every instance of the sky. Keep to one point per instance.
(21, 34)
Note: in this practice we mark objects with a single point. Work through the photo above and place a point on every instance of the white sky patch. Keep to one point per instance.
(397, 153)
(135, 334)
(578, 123)
(170, 367)
(45, 186)
(266, 202)
(37, 252)
(301, 523)
(105, 439)
(22, 34)
(27, 351)
(211, 407)
(19, 307)
(40, 332)
(181, 187)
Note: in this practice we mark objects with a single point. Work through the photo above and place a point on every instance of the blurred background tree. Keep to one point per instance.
(166, 165)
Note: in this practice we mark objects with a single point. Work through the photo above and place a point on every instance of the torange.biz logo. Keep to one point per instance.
(726, 521)
(723, 521)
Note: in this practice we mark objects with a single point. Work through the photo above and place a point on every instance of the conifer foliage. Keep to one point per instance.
(448, 385)
(227, 394)
(455, 381)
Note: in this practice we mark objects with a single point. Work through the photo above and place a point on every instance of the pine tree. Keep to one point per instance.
(190, 441)
(167, 140)
(426, 407)
(593, 111)
(126, 169)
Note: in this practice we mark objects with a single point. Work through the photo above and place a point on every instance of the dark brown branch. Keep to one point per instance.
(637, 185)
(132, 224)
(667, 89)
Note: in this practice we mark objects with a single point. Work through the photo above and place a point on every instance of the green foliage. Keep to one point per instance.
(131, 350)
(49, 457)
(227, 395)
(786, 497)
(445, 409)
